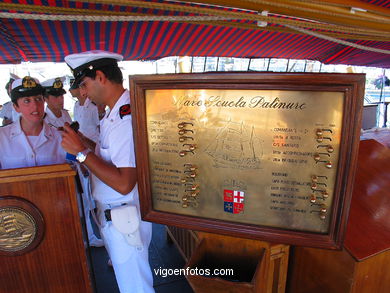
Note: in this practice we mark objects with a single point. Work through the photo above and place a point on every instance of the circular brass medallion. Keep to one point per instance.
(21, 226)
(17, 229)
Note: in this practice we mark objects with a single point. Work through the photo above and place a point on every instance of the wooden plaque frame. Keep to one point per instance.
(351, 85)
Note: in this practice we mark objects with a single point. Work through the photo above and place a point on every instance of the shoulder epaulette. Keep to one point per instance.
(124, 110)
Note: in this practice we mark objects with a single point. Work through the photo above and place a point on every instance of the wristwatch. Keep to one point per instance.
(82, 156)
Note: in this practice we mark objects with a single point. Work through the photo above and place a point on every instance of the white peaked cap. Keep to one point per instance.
(19, 82)
(51, 81)
(82, 63)
(79, 59)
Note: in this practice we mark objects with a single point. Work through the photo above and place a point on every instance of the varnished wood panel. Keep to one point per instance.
(325, 271)
(373, 274)
(320, 271)
(59, 263)
(332, 12)
(368, 229)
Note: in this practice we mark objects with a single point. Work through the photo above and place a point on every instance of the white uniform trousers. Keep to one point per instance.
(131, 264)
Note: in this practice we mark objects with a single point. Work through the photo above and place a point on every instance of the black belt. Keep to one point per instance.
(107, 214)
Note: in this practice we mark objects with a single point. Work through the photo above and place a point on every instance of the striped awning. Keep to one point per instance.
(48, 30)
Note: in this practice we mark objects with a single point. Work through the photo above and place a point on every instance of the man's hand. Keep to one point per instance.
(71, 141)
(86, 141)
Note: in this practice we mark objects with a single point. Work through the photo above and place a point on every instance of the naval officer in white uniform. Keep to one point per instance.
(86, 113)
(7, 111)
(54, 98)
(29, 141)
(112, 164)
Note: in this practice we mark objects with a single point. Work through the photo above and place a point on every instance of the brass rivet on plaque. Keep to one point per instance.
(187, 179)
(321, 138)
(191, 147)
(184, 152)
(183, 124)
(184, 131)
(194, 194)
(328, 147)
(184, 138)
(191, 175)
(192, 188)
(190, 166)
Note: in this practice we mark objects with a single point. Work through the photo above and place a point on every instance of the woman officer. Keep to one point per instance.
(29, 141)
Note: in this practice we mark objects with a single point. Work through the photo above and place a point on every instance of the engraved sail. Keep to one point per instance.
(235, 147)
(16, 229)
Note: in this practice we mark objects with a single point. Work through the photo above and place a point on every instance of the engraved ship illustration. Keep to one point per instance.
(236, 147)
(14, 232)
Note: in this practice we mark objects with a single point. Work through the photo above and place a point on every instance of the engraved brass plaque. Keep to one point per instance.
(21, 226)
(18, 229)
(261, 157)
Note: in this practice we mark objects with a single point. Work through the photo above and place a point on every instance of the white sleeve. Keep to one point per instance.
(75, 112)
(121, 144)
(6, 110)
(67, 116)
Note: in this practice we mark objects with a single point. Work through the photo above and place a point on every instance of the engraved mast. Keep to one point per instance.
(235, 147)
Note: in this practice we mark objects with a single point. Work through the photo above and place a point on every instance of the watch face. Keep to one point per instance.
(81, 157)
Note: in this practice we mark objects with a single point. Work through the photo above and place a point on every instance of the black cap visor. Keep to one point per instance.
(82, 71)
(20, 92)
(55, 92)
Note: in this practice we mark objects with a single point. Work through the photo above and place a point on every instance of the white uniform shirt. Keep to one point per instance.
(16, 152)
(8, 111)
(115, 146)
(88, 118)
(58, 122)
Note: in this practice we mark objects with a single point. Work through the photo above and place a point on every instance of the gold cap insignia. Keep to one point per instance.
(57, 83)
(28, 82)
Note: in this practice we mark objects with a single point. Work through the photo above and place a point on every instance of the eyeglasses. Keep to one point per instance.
(83, 84)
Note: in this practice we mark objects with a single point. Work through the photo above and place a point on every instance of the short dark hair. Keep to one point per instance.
(112, 72)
